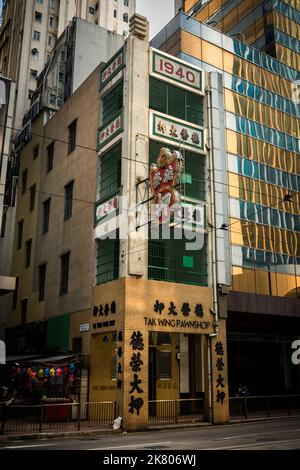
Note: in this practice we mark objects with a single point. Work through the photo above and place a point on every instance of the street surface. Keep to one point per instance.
(280, 434)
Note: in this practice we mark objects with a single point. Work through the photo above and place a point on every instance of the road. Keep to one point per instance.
(281, 434)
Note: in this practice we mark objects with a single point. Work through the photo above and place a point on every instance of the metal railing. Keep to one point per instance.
(56, 417)
(264, 406)
(175, 411)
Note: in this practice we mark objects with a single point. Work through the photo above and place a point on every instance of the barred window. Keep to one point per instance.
(164, 365)
(112, 103)
(110, 172)
(176, 101)
(107, 261)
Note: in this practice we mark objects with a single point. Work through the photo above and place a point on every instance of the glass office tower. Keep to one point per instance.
(270, 26)
(263, 174)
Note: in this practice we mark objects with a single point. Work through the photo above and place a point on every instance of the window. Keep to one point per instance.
(38, 16)
(33, 74)
(164, 338)
(32, 197)
(28, 253)
(112, 103)
(42, 281)
(36, 151)
(68, 200)
(126, 3)
(23, 311)
(166, 260)
(91, 10)
(15, 294)
(40, 1)
(115, 13)
(30, 94)
(46, 215)
(176, 102)
(72, 136)
(51, 21)
(50, 38)
(34, 53)
(36, 35)
(24, 181)
(125, 17)
(164, 365)
(52, 99)
(50, 156)
(77, 345)
(20, 233)
(61, 77)
(107, 261)
(64, 274)
(110, 172)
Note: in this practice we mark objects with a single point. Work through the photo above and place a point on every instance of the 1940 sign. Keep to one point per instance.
(178, 71)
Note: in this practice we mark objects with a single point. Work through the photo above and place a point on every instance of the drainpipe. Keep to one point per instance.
(213, 239)
(209, 146)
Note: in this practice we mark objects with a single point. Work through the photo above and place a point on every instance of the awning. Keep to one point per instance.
(22, 358)
(67, 358)
(42, 359)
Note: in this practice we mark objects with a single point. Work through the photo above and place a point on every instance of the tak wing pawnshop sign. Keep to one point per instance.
(169, 68)
(112, 68)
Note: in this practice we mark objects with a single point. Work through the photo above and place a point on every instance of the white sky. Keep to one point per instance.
(158, 12)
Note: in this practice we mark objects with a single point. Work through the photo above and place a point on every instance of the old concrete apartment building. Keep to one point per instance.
(30, 29)
(52, 255)
(30, 56)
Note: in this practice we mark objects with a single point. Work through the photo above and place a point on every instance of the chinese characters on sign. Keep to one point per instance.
(220, 397)
(159, 307)
(104, 310)
(110, 131)
(112, 68)
(172, 320)
(107, 208)
(175, 131)
(137, 344)
(120, 354)
(178, 71)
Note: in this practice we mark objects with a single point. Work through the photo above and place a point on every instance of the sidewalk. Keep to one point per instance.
(100, 432)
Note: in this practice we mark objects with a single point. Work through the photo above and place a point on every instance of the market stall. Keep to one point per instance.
(38, 379)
